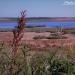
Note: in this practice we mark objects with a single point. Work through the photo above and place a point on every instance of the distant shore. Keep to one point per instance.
(38, 18)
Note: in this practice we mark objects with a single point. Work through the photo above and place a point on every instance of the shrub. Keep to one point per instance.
(39, 37)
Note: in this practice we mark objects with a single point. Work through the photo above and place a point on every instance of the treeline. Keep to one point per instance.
(37, 18)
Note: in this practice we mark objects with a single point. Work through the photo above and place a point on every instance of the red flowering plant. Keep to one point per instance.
(18, 32)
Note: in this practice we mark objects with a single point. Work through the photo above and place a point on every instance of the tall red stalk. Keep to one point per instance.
(18, 32)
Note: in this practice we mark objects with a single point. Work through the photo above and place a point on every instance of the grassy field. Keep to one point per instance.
(33, 60)
(54, 61)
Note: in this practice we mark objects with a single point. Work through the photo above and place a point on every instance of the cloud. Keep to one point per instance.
(69, 3)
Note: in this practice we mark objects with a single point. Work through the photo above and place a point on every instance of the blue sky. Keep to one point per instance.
(38, 8)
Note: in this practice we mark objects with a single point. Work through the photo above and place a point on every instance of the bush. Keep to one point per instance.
(39, 37)
(56, 37)
(60, 67)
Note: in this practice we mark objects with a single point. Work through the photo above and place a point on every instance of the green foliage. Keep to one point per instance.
(58, 67)
(36, 64)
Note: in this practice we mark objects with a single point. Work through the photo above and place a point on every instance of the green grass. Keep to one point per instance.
(53, 62)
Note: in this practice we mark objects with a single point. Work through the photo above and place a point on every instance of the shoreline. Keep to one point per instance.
(39, 18)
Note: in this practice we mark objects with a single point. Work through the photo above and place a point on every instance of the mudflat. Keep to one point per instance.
(28, 38)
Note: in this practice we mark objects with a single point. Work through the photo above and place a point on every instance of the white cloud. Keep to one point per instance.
(70, 3)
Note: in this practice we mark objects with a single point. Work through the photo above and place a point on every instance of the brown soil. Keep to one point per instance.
(28, 38)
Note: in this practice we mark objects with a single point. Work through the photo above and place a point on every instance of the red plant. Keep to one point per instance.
(18, 32)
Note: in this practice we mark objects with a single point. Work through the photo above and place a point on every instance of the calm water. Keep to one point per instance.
(12, 24)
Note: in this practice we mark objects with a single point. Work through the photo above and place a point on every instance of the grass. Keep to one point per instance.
(52, 62)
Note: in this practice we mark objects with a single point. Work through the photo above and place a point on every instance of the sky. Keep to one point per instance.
(38, 8)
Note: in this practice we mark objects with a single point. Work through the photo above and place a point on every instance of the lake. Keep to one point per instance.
(12, 24)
